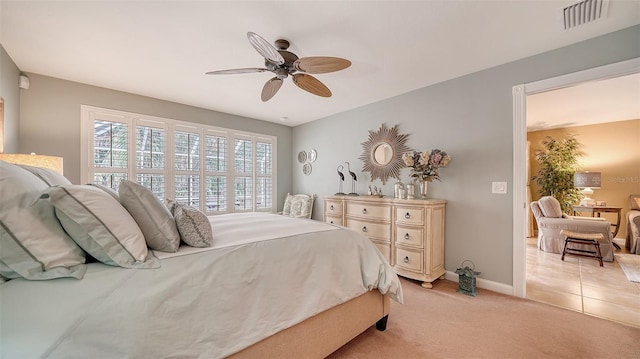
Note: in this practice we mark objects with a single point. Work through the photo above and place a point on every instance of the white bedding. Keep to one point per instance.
(208, 304)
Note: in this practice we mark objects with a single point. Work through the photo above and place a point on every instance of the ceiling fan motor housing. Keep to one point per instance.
(286, 68)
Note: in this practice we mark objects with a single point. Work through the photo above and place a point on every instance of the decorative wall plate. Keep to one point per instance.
(302, 156)
(312, 156)
(306, 169)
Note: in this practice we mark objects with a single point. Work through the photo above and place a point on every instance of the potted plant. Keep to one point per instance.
(558, 162)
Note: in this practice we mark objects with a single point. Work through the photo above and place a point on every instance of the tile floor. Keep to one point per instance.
(580, 284)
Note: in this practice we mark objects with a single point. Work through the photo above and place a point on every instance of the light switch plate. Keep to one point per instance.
(499, 187)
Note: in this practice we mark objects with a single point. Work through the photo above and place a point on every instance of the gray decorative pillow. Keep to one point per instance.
(49, 176)
(33, 244)
(299, 205)
(193, 225)
(101, 226)
(153, 218)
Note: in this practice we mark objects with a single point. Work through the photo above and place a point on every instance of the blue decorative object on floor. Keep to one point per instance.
(467, 279)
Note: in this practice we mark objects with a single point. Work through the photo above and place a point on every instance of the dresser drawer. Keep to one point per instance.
(333, 208)
(369, 211)
(334, 220)
(410, 236)
(410, 215)
(409, 260)
(370, 229)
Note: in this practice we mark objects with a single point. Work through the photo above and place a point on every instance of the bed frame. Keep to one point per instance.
(324, 333)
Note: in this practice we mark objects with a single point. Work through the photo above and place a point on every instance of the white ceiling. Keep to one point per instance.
(162, 49)
(611, 100)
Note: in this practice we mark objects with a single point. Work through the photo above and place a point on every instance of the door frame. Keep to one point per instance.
(520, 205)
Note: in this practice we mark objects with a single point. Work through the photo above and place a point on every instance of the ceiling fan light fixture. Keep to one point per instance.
(284, 63)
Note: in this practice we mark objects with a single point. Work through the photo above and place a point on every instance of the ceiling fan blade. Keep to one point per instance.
(265, 48)
(311, 84)
(270, 88)
(321, 64)
(237, 71)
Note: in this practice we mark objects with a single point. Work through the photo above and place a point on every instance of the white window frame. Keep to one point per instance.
(90, 113)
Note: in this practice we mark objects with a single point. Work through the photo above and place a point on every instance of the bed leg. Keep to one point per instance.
(381, 324)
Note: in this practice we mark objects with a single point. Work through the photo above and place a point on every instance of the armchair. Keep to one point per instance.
(633, 224)
(551, 221)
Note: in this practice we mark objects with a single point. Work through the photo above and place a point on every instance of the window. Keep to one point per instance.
(214, 169)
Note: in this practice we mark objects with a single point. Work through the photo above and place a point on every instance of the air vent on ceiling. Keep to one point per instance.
(583, 12)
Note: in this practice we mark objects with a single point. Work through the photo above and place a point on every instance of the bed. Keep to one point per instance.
(268, 286)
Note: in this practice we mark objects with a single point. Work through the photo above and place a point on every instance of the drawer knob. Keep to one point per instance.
(406, 259)
(407, 216)
(331, 208)
(364, 211)
(364, 228)
(406, 236)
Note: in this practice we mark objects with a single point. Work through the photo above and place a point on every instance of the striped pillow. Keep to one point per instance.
(101, 226)
(33, 245)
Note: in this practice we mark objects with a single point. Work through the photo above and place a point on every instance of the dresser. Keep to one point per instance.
(409, 233)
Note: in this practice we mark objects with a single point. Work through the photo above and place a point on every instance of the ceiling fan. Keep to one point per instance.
(284, 63)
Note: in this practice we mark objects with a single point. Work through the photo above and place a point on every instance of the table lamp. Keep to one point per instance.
(587, 181)
(51, 162)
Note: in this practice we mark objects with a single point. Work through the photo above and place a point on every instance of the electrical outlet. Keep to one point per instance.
(499, 187)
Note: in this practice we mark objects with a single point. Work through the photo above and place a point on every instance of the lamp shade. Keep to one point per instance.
(586, 179)
(51, 162)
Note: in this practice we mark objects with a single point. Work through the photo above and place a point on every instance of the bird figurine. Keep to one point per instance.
(340, 168)
(354, 179)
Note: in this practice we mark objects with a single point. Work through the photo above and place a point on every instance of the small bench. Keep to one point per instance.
(583, 238)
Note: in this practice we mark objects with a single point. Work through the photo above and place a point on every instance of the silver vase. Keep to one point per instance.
(424, 187)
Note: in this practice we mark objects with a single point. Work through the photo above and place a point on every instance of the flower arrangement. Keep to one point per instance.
(425, 165)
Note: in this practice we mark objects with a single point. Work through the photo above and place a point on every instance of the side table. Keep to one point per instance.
(595, 211)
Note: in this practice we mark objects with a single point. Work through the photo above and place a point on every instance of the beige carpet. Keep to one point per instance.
(440, 323)
(630, 264)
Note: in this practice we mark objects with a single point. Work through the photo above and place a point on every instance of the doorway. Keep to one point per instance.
(520, 204)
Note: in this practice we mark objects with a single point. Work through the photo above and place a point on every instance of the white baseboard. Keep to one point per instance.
(484, 283)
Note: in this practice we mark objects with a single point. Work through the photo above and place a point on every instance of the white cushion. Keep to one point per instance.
(49, 176)
(153, 218)
(110, 191)
(550, 207)
(299, 205)
(33, 244)
(101, 226)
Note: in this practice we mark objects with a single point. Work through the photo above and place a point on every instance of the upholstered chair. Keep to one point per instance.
(633, 224)
(551, 221)
(298, 205)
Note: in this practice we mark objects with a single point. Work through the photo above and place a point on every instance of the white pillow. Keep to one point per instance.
(299, 205)
(49, 176)
(33, 245)
(110, 191)
(153, 218)
(101, 226)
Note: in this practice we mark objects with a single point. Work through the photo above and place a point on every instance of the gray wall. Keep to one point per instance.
(10, 92)
(50, 121)
(471, 118)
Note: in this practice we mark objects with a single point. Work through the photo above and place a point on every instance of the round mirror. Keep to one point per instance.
(383, 154)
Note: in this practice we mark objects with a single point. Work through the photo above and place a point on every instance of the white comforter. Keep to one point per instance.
(265, 273)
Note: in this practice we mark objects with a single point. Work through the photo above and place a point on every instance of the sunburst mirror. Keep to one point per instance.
(382, 153)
